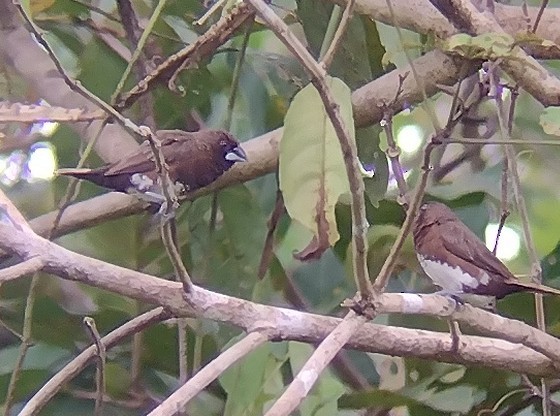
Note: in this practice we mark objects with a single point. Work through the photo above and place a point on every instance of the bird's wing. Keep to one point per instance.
(142, 160)
(464, 244)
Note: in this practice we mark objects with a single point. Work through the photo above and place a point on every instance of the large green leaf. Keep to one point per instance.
(312, 171)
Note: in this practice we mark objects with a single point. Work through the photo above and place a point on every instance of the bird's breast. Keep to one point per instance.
(451, 278)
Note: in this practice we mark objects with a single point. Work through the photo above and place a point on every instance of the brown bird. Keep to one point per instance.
(194, 160)
(458, 261)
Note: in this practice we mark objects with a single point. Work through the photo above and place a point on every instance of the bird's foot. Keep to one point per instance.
(456, 297)
(165, 214)
(488, 303)
(148, 196)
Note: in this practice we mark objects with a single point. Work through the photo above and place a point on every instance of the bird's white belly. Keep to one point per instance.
(450, 279)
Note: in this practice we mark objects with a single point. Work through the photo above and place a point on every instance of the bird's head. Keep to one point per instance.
(230, 148)
(432, 213)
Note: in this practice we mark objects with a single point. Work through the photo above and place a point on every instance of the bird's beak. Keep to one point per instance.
(237, 154)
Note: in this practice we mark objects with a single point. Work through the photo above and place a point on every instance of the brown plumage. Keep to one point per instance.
(194, 160)
(458, 261)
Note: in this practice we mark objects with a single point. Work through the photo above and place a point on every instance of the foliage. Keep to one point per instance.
(221, 237)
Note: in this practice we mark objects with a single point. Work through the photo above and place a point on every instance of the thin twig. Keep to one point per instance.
(539, 15)
(101, 354)
(272, 223)
(347, 144)
(181, 272)
(74, 367)
(31, 265)
(168, 214)
(138, 51)
(182, 339)
(73, 186)
(504, 215)
(73, 84)
(536, 270)
(236, 77)
(419, 81)
(393, 153)
(385, 272)
(339, 34)
(26, 342)
(478, 141)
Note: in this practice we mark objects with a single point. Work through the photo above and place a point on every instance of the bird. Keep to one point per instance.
(458, 261)
(194, 160)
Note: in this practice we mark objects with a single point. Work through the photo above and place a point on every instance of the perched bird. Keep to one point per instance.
(194, 160)
(458, 261)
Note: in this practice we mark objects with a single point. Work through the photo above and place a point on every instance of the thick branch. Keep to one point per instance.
(295, 325)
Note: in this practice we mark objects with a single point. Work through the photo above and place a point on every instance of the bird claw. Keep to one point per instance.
(487, 303)
(164, 213)
(455, 296)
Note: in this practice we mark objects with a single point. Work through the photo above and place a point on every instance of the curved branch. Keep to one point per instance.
(295, 325)
(74, 367)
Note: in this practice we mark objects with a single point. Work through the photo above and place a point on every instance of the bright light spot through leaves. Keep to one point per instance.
(41, 163)
(509, 244)
(47, 128)
(409, 138)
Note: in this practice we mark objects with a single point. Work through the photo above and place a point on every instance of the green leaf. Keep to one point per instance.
(184, 31)
(372, 157)
(311, 167)
(350, 63)
(39, 357)
(390, 399)
(485, 46)
(550, 120)
(551, 263)
(244, 382)
(118, 379)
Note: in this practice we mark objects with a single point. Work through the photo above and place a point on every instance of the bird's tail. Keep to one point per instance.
(93, 175)
(535, 288)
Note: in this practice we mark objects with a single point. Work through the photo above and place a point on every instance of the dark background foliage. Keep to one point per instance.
(222, 249)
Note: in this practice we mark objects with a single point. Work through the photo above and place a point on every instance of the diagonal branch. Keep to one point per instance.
(349, 152)
(295, 325)
(301, 385)
(209, 373)
(74, 367)
(524, 69)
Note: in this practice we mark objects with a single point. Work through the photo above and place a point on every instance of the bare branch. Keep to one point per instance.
(295, 325)
(101, 355)
(209, 373)
(32, 265)
(300, 387)
(74, 367)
